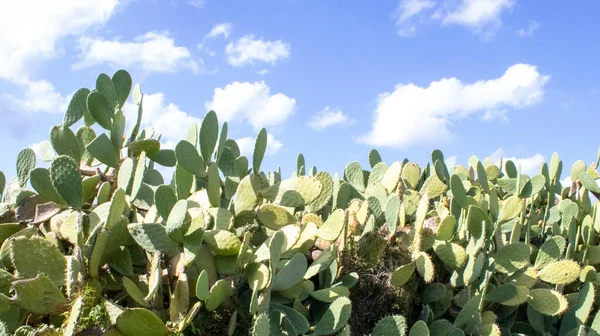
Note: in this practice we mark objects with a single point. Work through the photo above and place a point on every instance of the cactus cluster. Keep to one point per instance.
(99, 243)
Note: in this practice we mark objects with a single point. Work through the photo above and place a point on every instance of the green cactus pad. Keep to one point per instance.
(25, 164)
(330, 294)
(394, 325)
(64, 174)
(520, 298)
(511, 208)
(97, 252)
(39, 295)
(134, 292)
(560, 272)
(248, 194)
(202, 286)
(551, 251)
(219, 292)
(105, 85)
(189, 159)
(326, 191)
(355, 176)
(374, 158)
(402, 274)
(446, 229)
(332, 228)
(451, 254)
(222, 242)
(77, 107)
(65, 142)
(180, 299)
(261, 326)
(419, 329)
(433, 186)
(31, 256)
(274, 216)
(164, 199)
(501, 293)
(209, 132)
(547, 301)
(299, 322)
(74, 316)
(178, 221)
(138, 176)
(141, 322)
(512, 258)
(335, 317)
(392, 177)
(100, 109)
(152, 237)
(322, 262)
(192, 242)
(425, 266)
(291, 273)
(122, 82)
(40, 181)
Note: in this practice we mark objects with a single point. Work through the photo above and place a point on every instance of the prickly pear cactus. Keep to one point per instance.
(101, 243)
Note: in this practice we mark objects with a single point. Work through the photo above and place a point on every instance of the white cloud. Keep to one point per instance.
(251, 102)
(152, 52)
(220, 29)
(529, 165)
(246, 145)
(329, 117)
(197, 3)
(478, 15)
(31, 30)
(263, 72)
(248, 50)
(406, 12)
(532, 26)
(166, 118)
(37, 97)
(413, 115)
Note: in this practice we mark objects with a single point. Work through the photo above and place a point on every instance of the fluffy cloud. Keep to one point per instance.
(246, 145)
(532, 26)
(529, 165)
(251, 102)
(152, 52)
(329, 117)
(166, 118)
(37, 97)
(248, 50)
(407, 12)
(478, 15)
(31, 30)
(197, 3)
(413, 115)
(220, 29)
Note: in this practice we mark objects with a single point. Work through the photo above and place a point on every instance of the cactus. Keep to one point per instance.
(482, 249)
(140, 321)
(39, 294)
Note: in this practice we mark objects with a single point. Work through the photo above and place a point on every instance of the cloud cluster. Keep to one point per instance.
(249, 50)
(329, 117)
(252, 103)
(151, 52)
(411, 115)
(477, 15)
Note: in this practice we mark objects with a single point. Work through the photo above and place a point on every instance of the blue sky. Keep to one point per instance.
(331, 79)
